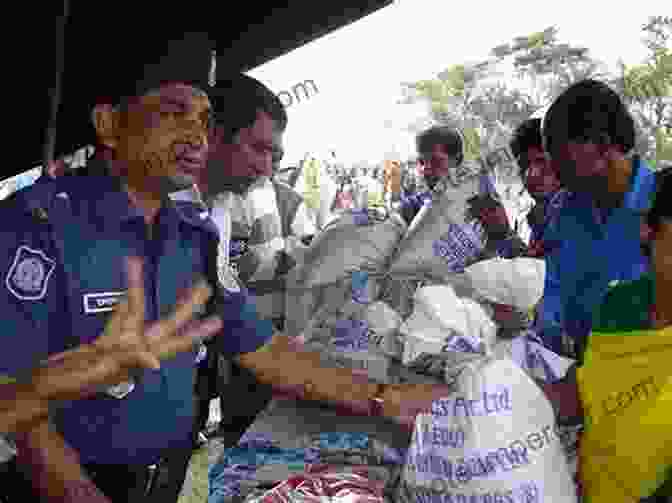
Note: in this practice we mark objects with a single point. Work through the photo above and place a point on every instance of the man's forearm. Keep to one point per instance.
(20, 407)
(54, 468)
(301, 373)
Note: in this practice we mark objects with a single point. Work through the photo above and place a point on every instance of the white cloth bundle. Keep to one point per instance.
(517, 282)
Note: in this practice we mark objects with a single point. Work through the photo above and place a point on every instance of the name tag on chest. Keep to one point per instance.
(103, 302)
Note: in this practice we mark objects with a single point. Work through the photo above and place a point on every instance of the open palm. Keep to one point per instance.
(126, 344)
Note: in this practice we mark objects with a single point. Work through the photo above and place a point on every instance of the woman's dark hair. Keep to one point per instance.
(237, 100)
(589, 111)
(662, 203)
(442, 135)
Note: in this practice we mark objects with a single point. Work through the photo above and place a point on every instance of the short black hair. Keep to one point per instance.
(589, 110)
(236, 101)
(662, 203)
(442, 135)
(527, 135)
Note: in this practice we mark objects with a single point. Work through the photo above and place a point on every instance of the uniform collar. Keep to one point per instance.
(112, 201)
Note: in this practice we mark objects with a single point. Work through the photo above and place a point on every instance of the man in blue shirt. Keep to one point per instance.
(62, 256)
(589, 137)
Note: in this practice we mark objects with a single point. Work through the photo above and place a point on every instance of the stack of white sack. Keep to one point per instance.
(441, 240)
(444, 332)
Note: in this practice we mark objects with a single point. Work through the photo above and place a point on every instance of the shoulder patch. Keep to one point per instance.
(29, 275)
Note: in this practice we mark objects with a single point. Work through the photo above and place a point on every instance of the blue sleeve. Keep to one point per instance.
(244, 331)
(29, 293)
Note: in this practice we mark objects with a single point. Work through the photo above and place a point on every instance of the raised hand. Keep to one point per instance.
(126, 344)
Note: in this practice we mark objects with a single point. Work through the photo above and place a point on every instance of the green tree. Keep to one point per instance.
(549, 66)
(485, 106)
(647, 88)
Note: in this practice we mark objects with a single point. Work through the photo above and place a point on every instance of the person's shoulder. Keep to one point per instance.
(26, 209)
(196, 214)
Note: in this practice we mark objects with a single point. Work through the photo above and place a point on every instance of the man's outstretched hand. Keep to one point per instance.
(127, 344)
(403, 402)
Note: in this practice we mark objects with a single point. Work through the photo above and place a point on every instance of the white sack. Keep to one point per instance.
(517, 282)
(495, 439)
(441, 240)
(534, 359)
(384, 324)
(316, 313)
(439, 313)
(347, 245)
(445, 332)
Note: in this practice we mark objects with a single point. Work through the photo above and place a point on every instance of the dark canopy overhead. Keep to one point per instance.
(98, 38)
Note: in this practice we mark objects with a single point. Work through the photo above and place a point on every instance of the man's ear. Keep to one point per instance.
(105, 119)
(620, 170)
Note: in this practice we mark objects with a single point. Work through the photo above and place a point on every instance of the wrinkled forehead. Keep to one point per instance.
(180, 94)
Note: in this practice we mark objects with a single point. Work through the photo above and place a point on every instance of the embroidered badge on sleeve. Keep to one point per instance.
(29, 275)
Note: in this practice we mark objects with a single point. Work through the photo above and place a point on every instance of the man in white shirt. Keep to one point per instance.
(269, 221)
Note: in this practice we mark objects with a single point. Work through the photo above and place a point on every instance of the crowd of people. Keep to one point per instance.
(111, 355)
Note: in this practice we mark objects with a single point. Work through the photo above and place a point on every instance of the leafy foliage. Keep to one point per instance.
(473, 97)
(647, 88)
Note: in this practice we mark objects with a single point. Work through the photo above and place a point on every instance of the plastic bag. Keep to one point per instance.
(357, 241)
(494, 439)
(626, 389)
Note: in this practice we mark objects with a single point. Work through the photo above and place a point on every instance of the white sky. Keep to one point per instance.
(358, 69)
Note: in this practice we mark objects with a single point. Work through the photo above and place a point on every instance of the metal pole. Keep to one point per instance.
(50, 140)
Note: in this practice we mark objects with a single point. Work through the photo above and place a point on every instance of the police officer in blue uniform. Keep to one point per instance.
(64, 275)
(62, 254)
